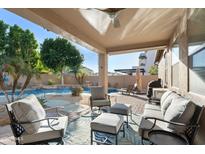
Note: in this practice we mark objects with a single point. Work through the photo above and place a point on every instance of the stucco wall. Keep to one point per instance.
(121, 81)
(183, 88)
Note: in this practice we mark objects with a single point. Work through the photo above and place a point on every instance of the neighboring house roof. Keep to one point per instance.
(128, 71)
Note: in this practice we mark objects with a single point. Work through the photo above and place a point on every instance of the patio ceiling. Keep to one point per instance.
(140, 28)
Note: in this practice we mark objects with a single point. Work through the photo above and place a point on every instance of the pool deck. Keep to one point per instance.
(137, 102)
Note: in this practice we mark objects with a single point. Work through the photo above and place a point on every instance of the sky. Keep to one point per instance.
(90, 58)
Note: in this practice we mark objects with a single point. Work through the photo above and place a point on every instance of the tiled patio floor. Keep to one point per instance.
(137, 103)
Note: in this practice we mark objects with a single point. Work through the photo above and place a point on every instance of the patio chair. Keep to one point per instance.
(126, 90)
(99, 98)
(30, 125)
(135, 89)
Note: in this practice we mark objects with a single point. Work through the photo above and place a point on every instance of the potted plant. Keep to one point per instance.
(76, 91)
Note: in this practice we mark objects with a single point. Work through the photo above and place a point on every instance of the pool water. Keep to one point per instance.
(61, 90)
(49, 91)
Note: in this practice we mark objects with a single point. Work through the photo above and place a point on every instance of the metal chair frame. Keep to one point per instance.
(18, 130)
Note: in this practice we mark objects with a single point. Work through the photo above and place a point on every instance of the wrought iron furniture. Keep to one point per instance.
(52, 129)
(161, 137)
(131, 89)
(190, 129)
(107, 123)
(99, 98)
(122, 109)
(126, 90)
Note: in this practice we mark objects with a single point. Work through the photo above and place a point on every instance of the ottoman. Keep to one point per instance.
(107, 123)
(122, 109)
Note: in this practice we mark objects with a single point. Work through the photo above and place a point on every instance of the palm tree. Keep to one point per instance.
(29, 72)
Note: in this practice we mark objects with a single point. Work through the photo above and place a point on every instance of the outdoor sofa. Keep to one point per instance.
(174, 114)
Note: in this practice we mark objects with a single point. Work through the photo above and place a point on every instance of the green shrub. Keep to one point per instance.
(76, 91)
(153, 70)
(51, 82)
(42, 101)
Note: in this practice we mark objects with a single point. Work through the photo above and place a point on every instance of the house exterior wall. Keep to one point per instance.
(150, 60)
(183, 88)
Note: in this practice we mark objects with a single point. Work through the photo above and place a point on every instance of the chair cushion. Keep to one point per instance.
(164, 96)
(181, 110)
(99, 103)
(152, 107)
(147, 124)
(27, 110)
(152, 113)
(123, 109)
(108, 123)
(46, 133)
(167, 101)
(97, 93)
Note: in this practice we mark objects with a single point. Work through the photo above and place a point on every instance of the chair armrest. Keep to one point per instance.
(170, 122)
(35, 121)
(91, 101)
(47, 119)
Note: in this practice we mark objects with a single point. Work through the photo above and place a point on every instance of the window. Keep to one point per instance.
(175, 64)
(196, 49)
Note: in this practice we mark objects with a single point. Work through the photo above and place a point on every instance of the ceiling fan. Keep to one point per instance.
(113, 13)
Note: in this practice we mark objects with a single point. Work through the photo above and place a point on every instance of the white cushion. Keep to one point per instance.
(152, 113)
(147, 124)
(152, 107)
(164, 96)
(181, 110)
(27, 110)
(123, 109)
(97, 93)
(167, 101)
(107, 122)
(99, 103)
(46, 133)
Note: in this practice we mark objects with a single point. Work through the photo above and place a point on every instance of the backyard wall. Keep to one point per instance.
(121, 81)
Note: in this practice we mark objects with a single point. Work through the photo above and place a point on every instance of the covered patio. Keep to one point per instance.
(137, 30)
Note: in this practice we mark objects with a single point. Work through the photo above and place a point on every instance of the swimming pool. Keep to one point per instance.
(54, 91)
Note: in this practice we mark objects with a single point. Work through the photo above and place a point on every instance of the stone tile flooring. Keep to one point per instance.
(137, 103)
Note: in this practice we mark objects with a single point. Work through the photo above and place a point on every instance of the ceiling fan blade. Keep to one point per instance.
(116, 22)
(113, 14)
(110, 10)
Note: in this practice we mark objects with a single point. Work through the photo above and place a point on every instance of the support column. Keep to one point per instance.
(103, 71)
(183, 57)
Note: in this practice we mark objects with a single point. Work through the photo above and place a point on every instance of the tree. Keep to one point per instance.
(80, 75)
(3, 36)
(153, 70)
(59, 53)
(18, 56)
